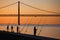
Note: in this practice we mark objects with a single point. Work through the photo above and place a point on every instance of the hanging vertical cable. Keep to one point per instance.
(39, 22)
(42, 26)
(27, 23)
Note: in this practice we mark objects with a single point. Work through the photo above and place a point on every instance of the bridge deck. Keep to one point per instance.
(58, 25)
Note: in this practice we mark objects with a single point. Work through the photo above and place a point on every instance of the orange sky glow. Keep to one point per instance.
(27, 10)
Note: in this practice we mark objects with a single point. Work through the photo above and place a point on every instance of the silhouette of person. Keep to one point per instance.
(7, 27)
(17, 29)
(34, 31)
(12, 29)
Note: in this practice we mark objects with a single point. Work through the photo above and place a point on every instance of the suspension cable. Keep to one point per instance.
(22, 29)
(37, 8)
(7, 5)
(39, 23)
(42, 26)
(27, 23)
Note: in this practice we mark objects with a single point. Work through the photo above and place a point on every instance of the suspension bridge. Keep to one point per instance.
(54, 14)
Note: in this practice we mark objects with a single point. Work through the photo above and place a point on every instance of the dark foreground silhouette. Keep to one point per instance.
(17, 36)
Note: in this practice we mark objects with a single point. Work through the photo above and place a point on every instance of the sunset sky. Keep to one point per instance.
(50, 5)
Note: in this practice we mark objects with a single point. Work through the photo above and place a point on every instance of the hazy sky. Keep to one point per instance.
(50, 5)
